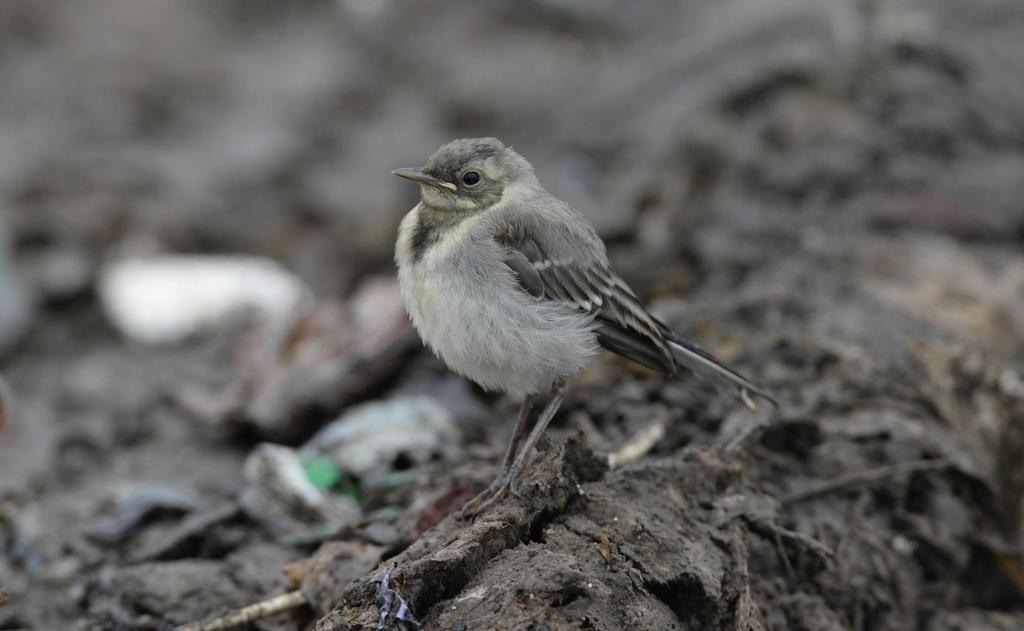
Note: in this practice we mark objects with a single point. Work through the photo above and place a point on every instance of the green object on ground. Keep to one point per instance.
(322, 472)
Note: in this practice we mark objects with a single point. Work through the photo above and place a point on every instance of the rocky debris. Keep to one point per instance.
(193, 589)
(374, 439)
(284, 498)
(133, 505)
(573, 549)
(289, 372)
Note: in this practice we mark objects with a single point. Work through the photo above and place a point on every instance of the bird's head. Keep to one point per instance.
(469, 174)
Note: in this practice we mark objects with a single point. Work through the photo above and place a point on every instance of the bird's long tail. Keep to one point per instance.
(704, 364)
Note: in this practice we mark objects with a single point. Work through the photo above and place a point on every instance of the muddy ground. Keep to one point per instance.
(826, 194)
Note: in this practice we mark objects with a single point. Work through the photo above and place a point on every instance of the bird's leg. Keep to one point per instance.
(518, 434)
(557, 396)
(520, 431)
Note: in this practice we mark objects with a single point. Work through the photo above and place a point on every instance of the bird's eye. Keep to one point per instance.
(470, 178)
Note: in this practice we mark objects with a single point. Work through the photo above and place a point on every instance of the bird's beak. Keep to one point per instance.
(417, 175)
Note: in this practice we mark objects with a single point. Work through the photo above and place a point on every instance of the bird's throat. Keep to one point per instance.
(431, 225)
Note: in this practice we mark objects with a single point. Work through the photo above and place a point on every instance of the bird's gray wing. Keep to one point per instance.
(623, 325)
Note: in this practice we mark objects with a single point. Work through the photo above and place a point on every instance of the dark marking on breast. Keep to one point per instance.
(431, 226)
(423, 236)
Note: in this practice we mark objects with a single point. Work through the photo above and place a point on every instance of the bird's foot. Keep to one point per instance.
(487, 498)
(472, 508)
(516, 491)
(482, 500)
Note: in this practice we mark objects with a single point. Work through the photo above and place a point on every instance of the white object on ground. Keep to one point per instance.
(369, 437)
(166, 299)
(278, 470)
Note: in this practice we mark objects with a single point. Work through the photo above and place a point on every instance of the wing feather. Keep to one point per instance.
(623, 324)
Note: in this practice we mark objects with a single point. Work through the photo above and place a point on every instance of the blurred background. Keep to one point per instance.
(828, 194)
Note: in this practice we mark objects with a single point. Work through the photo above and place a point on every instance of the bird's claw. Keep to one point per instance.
(516, 491)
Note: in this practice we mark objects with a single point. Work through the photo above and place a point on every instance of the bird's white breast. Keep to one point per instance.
(468, 307)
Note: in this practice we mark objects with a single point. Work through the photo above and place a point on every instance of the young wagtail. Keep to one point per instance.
(512, 288)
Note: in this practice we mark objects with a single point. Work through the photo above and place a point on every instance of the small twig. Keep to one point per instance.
(780, 548)
(748, 614)
(867, 476)
(245, 615)
(747, 401)
(779, 534)
(739, 444)
(640, 443)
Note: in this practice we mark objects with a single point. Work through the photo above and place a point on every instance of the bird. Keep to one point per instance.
(513, 289)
